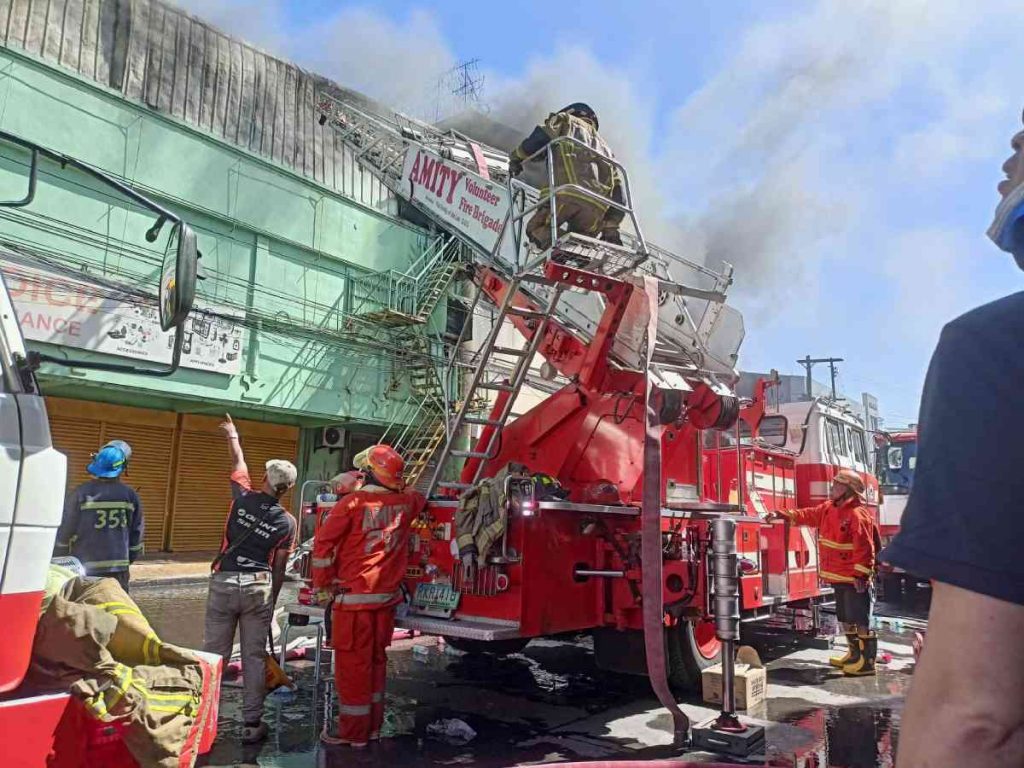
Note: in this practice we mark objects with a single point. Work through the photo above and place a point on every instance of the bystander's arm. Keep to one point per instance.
(234, 445)
(966, 702)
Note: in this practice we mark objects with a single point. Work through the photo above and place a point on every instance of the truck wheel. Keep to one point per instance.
(691, 648)
(494, 647)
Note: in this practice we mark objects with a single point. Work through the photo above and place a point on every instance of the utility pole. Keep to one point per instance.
(808, 363)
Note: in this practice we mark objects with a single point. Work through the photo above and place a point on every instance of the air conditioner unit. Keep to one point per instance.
(332, 437)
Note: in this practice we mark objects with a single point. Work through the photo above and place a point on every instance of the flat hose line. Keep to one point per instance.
(650, 535)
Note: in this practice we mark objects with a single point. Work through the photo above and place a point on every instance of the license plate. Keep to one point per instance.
(435, 600)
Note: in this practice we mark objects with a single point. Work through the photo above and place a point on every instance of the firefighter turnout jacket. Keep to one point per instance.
(575, 164)
(102, 526)
(362, 549)
(846, 538)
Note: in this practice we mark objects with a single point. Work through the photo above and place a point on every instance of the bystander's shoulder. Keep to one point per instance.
(963, 521)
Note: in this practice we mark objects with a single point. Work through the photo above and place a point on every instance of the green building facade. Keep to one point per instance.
(303, 253)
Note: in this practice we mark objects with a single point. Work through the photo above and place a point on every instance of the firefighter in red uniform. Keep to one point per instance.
(359, 560)
(848, 550)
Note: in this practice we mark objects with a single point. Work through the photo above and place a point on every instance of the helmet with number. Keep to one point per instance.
(384, 463)
(107, 462)
(579, 109)
(851, 480)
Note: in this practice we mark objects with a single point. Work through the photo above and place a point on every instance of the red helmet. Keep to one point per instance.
(385, 463)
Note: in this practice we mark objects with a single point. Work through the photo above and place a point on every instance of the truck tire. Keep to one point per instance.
(493, 647)
(691, 648)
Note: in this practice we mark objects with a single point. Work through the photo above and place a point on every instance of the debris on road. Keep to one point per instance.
(453, 731)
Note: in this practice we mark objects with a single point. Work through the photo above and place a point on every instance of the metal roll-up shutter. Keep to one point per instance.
(80, 427)
(77, 439)
(202, 495)
(149, 472)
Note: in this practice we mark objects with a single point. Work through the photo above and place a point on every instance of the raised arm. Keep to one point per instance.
(234, 445)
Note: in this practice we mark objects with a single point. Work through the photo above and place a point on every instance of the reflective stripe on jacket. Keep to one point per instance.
(846, 539)
(362, 548)
(586, 166)
(102, 526)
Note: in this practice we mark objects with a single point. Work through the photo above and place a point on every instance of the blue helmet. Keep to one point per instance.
(108, 462)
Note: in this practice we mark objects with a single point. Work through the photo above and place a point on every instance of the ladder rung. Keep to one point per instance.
(524, 312)
(496, 385)
(470, 455)
(481, 421)
(457, 486)
(509, 351)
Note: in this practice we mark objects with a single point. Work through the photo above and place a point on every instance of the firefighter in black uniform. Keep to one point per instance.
(102, 524)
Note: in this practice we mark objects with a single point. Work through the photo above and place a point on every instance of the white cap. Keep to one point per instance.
(281, 473)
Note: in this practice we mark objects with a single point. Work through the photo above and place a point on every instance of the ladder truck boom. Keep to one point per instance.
(464, 188)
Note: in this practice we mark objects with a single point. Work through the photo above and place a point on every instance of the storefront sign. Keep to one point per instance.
(474, 206)
(58, 309)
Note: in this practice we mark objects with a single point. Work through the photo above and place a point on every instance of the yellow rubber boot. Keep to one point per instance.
(852, 652)
(864, 666)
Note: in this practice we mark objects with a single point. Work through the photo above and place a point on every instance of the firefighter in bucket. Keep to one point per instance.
(359, 560)
(848, 545)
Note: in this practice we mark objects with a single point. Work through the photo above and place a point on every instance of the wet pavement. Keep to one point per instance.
(551, 703)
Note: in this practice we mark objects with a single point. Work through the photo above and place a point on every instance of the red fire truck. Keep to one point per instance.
(645, 438)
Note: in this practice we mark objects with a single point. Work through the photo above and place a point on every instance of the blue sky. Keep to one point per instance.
(843, 155)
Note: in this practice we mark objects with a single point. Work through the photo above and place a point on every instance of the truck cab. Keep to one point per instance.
(32, 480)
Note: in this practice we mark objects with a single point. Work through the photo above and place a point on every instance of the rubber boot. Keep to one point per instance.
(866, 664)
(852, 655)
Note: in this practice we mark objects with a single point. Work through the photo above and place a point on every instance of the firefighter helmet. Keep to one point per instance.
(548, 488)
(851, 480)
(108, 462)
(384, 463)
(579, 109)
(125, 448)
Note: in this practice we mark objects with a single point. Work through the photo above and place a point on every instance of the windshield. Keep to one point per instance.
(897, 462)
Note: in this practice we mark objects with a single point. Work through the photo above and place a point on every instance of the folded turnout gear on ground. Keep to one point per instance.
(482, 515)
(93, 640)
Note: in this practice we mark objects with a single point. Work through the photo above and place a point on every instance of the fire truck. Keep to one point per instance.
(51, 727)
(896, 459)
(643, 437)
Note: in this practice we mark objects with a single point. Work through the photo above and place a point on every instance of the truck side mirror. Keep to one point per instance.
(178, 276)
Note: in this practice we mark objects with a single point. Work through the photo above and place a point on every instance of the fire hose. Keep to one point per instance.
(650, 534)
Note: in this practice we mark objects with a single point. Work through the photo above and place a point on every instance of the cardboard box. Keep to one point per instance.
(751, 681)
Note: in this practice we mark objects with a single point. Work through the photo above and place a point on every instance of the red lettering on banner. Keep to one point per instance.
(427, 171)
(414, 175)
(456, 178)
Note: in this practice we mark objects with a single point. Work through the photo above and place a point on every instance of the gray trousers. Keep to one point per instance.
(245, 600)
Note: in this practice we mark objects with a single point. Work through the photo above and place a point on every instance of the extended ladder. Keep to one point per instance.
(509, 389)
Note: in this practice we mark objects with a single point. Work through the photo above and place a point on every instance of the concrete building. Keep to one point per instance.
(308, 315)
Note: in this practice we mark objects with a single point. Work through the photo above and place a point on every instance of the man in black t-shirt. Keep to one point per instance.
(963, 526)
(248, 572)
